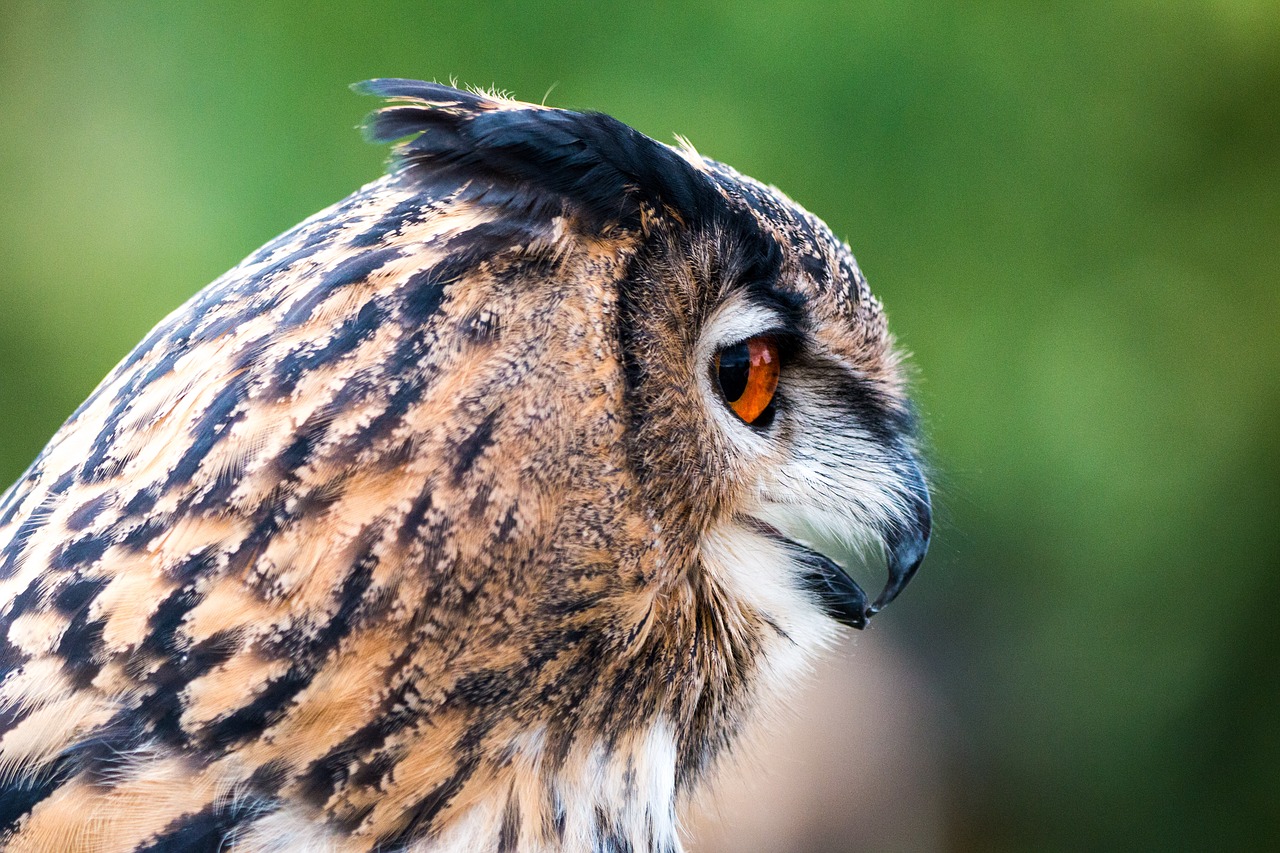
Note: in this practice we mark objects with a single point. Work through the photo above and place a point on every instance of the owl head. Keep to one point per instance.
(758, 369)
(484, 507)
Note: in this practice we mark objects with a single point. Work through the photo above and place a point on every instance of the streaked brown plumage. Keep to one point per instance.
(428, 526)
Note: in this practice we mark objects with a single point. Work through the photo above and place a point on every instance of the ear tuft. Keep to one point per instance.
(603, 166)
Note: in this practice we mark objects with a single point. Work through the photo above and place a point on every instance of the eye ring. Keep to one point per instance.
(747, 376)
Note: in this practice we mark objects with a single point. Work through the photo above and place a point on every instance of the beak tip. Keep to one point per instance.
(907, 538)
(906, 547)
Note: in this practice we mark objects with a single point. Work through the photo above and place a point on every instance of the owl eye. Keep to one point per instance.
(748, 376)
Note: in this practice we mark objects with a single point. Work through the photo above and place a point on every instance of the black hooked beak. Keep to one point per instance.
(906, 541)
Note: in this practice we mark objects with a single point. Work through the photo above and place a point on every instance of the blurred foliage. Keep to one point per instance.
(1072, 212)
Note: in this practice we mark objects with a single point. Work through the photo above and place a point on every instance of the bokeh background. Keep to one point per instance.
(1072, 212)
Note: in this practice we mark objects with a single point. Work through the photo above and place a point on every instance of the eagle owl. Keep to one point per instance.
(479, 512)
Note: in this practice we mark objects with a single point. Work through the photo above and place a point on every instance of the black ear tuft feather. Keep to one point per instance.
(606, 168)
(435, 93)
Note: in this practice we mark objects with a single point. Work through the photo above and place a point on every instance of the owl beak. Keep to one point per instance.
(906, 539)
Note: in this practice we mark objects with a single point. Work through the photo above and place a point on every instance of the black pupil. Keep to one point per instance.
(735, 365)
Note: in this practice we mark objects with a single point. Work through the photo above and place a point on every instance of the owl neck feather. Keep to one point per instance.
(618, 798)
(617, 789)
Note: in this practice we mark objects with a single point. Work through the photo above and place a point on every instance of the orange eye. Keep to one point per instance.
(748, 377)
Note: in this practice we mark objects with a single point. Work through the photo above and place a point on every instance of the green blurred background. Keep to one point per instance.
(1072, 212)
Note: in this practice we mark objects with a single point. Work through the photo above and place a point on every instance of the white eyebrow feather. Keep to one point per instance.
(736, 320)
